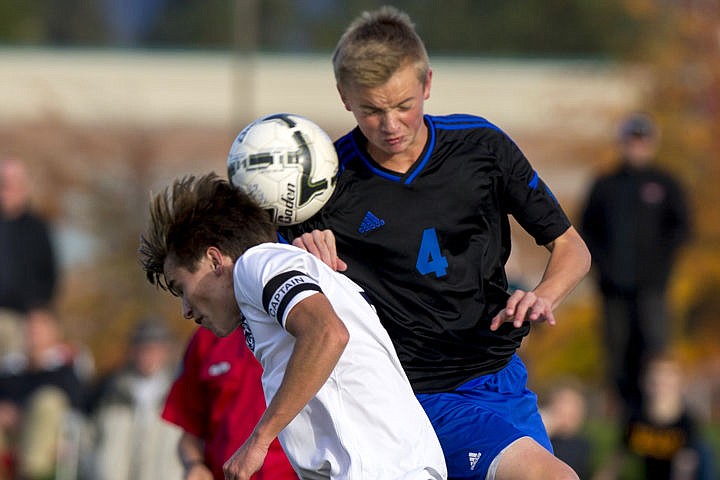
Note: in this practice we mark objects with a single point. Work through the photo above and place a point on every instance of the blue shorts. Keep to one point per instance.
(476, 421)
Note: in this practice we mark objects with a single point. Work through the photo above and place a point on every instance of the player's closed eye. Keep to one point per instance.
(174, 289)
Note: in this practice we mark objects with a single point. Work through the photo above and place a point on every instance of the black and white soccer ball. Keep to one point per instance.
(287, 163)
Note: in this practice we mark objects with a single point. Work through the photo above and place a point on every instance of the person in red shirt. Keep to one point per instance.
(217, 399)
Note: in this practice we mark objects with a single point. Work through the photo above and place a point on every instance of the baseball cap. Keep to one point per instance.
(638, 125)
(150, 330)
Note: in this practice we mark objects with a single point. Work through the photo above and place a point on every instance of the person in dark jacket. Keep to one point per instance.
(635, 220)
(28, 276)
(28, 269)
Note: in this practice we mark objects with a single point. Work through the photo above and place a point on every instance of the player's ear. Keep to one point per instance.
(215, 258)
(428, 83)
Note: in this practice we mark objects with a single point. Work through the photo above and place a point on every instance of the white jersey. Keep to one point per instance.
(365, 422)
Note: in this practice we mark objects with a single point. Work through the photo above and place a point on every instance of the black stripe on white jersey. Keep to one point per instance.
(282, 288)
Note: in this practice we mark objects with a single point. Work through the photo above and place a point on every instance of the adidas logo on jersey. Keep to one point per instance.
(370, 222)
(474, 457)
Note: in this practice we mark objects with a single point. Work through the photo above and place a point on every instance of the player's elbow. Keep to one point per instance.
(588, 256)
(332, 334)
(573, 245)
(338, 336)
(586, 259)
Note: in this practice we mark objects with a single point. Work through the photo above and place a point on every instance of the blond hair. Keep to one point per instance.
(375, 46)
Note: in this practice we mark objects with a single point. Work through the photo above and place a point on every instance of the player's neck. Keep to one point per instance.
(399, 164)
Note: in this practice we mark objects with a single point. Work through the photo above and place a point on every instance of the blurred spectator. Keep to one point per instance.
(218, 399)
(129, 439)
(28, 272)
(663, 433)
(564, 416)
(635, 220)
(41, 392)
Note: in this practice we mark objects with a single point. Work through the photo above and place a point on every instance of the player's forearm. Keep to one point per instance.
(191, 451)
(190, 448)
(569, 262)
(320, 340)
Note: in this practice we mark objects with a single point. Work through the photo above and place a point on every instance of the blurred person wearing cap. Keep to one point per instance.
(128, 439)
(634, 222)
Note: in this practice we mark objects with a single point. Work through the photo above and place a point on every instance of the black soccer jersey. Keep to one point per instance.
(430, 245)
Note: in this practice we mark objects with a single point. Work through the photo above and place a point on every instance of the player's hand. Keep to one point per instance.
(247, 460)
(524, 306)
(321, 243)
(9, 416)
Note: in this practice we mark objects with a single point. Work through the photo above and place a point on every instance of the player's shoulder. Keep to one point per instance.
(347, 148)
(266, 253)
(343, 141)
(267, 259)
(464, 124)
(461, 121)
(466, 128)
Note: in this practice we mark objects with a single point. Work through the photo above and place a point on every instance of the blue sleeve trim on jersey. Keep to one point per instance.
(552, 195)
(282, 288)
(535, 180)
(344, 149)
(282, 239)
(461, 122)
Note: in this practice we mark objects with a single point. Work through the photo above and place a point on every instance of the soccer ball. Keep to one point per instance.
(287, 163)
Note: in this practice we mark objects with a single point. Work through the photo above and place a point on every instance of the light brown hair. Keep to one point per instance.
(375, 46)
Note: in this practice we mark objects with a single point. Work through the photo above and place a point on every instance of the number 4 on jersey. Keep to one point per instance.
(430, 259)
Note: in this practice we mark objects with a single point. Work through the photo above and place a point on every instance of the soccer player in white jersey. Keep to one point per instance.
(337, 396)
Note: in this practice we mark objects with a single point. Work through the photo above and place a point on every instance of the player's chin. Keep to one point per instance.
(223, 332)
(214, 328)
(226, 328)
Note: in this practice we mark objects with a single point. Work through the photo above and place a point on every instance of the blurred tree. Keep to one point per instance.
(526, 27)
(679, 41)
(191, 24)
(686, 98)
(20, 21)
(603, 28)
(71, 22)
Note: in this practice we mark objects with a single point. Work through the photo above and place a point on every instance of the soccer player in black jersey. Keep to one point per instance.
(419, 218)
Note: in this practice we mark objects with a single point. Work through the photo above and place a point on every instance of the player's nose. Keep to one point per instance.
(389, 122)
(187, 311)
